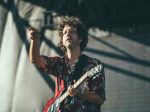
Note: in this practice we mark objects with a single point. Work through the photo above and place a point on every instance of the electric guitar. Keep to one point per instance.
(54, 103)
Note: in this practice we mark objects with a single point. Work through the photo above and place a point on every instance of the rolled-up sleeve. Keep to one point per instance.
(97, 83)
(52, 65)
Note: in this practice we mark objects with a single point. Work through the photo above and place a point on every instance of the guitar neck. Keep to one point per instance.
(90, 73)
(75, 86)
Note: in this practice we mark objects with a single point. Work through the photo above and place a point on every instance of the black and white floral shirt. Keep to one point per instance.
(60, 67)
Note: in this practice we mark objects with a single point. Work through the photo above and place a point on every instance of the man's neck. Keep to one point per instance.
(73, 55)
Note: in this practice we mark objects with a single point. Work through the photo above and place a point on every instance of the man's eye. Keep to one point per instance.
(71, 31)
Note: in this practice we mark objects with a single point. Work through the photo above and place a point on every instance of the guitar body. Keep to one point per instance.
(53, 104)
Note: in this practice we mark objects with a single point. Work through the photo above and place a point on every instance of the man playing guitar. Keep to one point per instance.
(90, 94)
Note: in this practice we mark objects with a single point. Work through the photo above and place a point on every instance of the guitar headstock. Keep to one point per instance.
(94, 70)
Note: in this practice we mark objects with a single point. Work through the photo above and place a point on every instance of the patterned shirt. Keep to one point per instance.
(60, 67)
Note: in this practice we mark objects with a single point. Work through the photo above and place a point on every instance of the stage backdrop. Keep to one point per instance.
(23, 88)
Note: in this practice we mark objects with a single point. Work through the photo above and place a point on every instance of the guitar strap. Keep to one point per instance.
(79, 67)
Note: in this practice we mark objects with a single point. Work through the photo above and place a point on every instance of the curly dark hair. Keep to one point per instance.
(80, 30)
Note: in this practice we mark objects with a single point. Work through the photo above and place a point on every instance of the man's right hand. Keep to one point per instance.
(33, 33)
(34, 54)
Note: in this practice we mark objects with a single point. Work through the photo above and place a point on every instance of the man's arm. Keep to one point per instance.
(95, 92)
(46, 64)
(89, 96)
(92, 97)
(34, 54)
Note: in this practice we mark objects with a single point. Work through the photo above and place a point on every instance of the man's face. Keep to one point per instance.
(70, 37)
